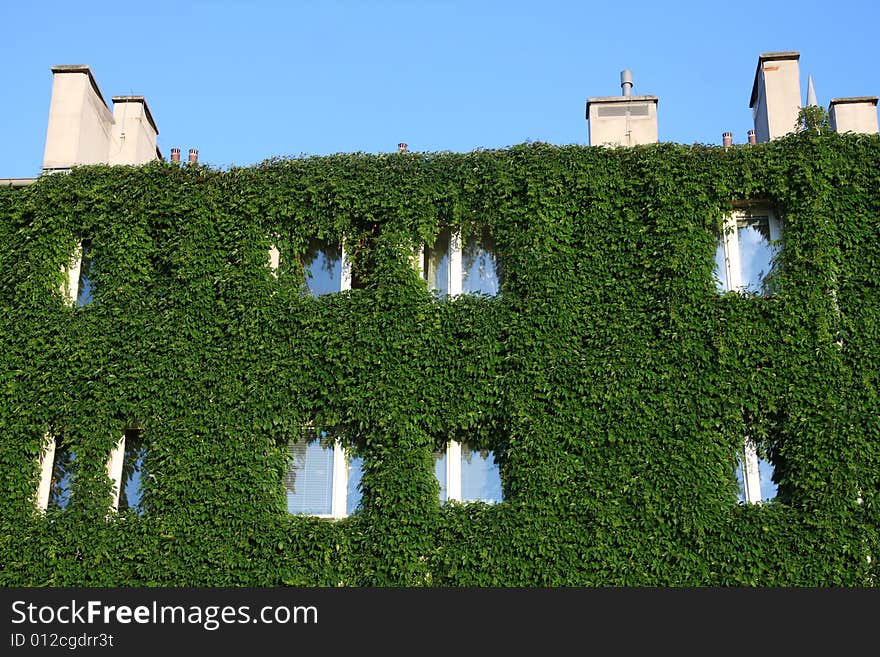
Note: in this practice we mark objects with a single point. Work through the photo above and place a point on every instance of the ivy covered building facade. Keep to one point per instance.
(541, 365)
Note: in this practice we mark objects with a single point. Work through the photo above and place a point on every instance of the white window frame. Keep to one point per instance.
(70, 286)
(751, 472)
(338, 487)
(114, 471)
(47, 464)
(454, 274)
(453, 473)
(47, 467)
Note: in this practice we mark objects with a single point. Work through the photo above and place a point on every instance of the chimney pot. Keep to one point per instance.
(175, 155)
(401, 147)
(193, 155)
(753, 138)
(727, 138)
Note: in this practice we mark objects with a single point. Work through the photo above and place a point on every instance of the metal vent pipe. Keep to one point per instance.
(626, 82)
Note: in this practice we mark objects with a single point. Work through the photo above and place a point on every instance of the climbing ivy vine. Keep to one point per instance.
(611, 379)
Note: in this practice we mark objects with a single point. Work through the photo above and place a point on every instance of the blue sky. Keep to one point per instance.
(246, 81)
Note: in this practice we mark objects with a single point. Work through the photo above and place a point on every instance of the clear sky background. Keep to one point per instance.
(246, 81)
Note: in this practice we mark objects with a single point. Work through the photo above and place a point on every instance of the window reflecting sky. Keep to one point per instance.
(440, 472)
(323, 268)
(437, 264)
(480, 477)
(481, 273)
(765, 474)
(133, 473)
(62, 476)
(720, 273)
(84, 288)
(755, 252)
(353, 497)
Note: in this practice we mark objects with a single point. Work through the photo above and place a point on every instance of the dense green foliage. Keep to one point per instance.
(612, 379)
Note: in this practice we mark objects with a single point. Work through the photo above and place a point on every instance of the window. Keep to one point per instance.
(754, 475)
(322, 479)
(78, 283)
(126, 469)
(56, 474)
(451, 269)
(747, 250)
(327, 268)
(745, 261)
(467, 475)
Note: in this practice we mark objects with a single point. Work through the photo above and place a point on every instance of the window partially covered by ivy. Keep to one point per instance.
(77, 289)
(134, 472)
(754, 476)
(63, 463)
(451, 268)
(481, 269)
(325, 268)
(322, 478)
(467, 474)
(84, 293)
(747, 252)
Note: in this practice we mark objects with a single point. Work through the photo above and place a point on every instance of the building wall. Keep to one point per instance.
(612, 378)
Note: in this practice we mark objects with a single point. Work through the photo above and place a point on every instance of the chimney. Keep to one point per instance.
(727, 139)
(134, 131)
(175, 155)
(753, 137)
(624, 120)
(193, 156)
(855, 114)
(626, 82)
(401, 147)
(776, 94)
(80, 122)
